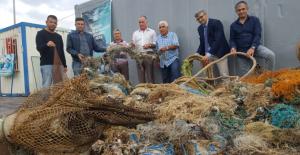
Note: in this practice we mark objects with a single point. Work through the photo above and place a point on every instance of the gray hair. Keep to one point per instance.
(199, 12)
(143, 16)
(116, 30)
(163, 22)
(239, 3)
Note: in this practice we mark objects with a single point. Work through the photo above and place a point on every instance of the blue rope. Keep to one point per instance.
(284, 116)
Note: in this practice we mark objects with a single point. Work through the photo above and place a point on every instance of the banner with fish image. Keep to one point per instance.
(98, 23)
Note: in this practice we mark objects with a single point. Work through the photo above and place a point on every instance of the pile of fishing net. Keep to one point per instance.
(262, 138)
(284, 84)
(235, 118)
(72, 115)
(111, 117)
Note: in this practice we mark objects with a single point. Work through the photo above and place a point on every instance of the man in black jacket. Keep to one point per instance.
(51, 48)
(213, 44)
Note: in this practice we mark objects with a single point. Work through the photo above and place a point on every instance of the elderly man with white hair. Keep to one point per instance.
(168, 49)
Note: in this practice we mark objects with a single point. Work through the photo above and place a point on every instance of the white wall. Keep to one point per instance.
(33, 61)
(18, 83)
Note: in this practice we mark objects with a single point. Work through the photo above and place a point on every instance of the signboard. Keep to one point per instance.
(6, 64)
(98, 22)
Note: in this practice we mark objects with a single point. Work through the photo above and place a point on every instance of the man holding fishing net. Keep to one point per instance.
(80, 45)
(51, 48)
(245, 36)
(213, 44)
(144, 39)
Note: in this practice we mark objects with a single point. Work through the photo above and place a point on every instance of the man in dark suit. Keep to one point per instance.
(213, 44)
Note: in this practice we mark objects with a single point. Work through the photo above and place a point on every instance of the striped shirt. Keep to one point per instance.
(168, 57)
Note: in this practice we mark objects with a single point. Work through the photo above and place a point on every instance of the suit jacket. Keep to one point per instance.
(216, 38)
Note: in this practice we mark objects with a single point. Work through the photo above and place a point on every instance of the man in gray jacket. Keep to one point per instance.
(81, 44)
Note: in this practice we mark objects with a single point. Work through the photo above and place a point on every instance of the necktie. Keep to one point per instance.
(206, 45)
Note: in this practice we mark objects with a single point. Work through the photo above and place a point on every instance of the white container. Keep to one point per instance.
(27, 78)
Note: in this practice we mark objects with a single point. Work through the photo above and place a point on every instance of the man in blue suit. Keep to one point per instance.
(213, 44)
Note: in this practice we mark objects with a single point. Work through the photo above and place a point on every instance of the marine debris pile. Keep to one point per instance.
(256, 115)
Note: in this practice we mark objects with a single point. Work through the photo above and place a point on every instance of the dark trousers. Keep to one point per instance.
(121, 66)
(145, 71)
(170, 73)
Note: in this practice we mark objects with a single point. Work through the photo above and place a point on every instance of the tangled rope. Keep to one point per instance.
(200, 85)
(221, 59)
(285, 116)
(186, 68)
(284, 84)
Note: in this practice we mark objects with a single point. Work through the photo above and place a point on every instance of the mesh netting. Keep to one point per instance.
(70, 116)
(133, 52)
(284, 82)
(58, 74)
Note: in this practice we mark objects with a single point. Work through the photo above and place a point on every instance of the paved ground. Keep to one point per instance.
(10, 104)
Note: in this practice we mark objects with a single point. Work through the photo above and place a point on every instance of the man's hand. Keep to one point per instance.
(146, 46)
(81, 57)
(163, 49)
(233, 51)
(250, 52)
(205, 60)
(51, 44)
(65, 69)
(132, 45)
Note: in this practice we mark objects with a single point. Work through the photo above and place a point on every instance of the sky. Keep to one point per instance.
(36, 11)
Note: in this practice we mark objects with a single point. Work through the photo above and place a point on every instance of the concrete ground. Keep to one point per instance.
(7, 106)
(10, 104)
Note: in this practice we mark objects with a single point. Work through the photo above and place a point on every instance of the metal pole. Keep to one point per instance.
(14, 10)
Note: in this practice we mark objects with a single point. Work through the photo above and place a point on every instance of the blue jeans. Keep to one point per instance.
(264, 57)
(172, 72)
(76, 66)
(47, 79)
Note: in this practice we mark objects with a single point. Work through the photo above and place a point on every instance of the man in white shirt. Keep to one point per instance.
(144, 40)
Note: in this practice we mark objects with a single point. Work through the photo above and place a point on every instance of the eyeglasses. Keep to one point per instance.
(161, 27)
(199, 18)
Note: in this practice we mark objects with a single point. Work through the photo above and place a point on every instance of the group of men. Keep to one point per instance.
(245, 36)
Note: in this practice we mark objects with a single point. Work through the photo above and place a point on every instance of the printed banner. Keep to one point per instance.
(6, 64)
(98, 23)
